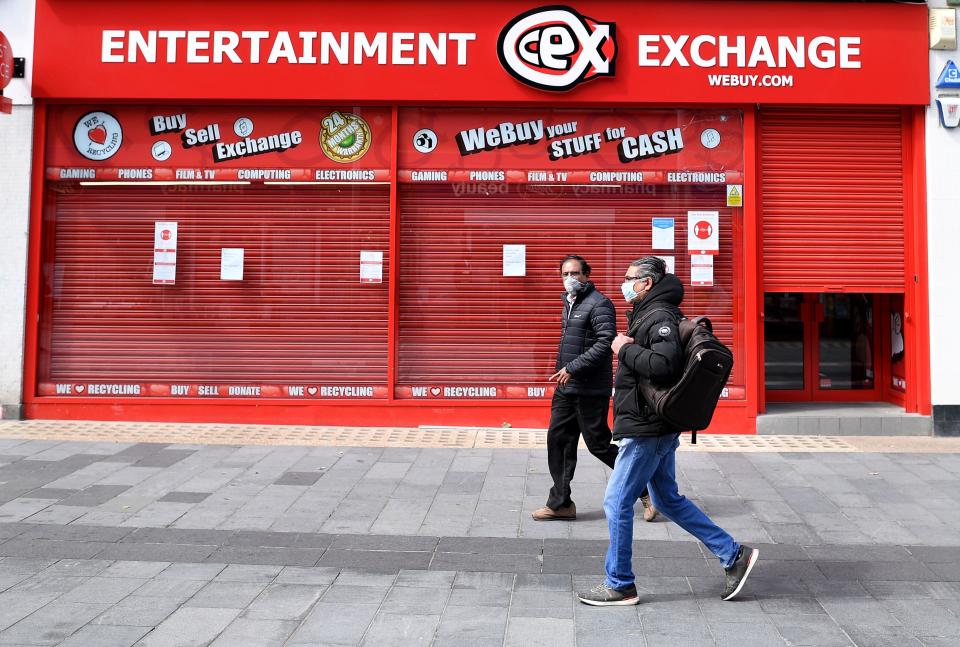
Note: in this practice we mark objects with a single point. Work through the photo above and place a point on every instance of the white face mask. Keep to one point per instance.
(572, 285)
(628, 292)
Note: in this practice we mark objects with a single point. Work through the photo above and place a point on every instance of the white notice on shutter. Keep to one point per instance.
(164, 253)
(663, 230)
(703, 232)
(701, 270)
(164, 274)
(371, 267)
(165, 236)
(670, 261)
(231, 264)
(514, 260)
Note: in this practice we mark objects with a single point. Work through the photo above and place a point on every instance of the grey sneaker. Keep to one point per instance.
(736, 576)
(604, 596)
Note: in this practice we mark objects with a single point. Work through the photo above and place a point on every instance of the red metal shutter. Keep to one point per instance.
(832, 199)
(463, 322)
(299, 315)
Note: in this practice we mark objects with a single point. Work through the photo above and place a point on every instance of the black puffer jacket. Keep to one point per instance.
(588, 331)
(657, 356)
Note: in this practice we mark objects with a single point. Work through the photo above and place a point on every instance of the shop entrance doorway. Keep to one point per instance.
(821, 347)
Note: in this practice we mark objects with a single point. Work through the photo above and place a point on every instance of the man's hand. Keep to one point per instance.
(621, 341)
(561, 376)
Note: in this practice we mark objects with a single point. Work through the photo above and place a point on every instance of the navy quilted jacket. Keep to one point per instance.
(589, 328)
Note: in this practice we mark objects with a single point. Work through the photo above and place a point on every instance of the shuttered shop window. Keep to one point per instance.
(299, 315)
(832, 199)
(463, 322)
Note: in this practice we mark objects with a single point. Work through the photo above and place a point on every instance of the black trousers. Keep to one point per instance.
(571, 416)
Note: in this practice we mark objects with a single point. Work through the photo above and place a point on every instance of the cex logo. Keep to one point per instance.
(556, 48)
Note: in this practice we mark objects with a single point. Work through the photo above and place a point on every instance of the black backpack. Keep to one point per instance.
(690, 402)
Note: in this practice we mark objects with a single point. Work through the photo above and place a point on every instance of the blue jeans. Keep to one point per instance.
(653, 460)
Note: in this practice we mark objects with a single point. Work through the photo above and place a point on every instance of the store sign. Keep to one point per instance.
(555, 48)
(454, 145)
(129, 143)
(494, 51)
(749, 51)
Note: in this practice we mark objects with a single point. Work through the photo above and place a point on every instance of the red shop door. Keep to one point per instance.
(822, 347)
(462, 322)
(299, 316)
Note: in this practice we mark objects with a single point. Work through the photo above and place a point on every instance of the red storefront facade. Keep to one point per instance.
(333, 216)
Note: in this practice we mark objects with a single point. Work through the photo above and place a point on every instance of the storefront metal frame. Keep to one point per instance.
(732, 416)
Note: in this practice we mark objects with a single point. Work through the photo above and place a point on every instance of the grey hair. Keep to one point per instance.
(652, 266)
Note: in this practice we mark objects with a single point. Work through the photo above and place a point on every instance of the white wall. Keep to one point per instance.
(16, 137)
(943, 231)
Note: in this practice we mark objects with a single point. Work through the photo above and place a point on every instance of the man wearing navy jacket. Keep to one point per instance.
(584, 375)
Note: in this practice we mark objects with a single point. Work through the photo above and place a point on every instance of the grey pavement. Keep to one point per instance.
(116, 544)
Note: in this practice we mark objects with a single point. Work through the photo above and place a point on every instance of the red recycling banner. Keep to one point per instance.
(423, 392)
(212, 391)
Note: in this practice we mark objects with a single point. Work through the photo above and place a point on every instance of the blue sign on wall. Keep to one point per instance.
(949, 77)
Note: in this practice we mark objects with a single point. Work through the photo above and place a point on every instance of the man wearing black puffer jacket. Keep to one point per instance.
(584, 380)
(652, 351)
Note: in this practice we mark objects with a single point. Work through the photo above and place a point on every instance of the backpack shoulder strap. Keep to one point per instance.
(637, 324)
(689, 326)
(703, 321)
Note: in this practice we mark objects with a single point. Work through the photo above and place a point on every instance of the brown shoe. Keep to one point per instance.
(649, 512)
(568, 513)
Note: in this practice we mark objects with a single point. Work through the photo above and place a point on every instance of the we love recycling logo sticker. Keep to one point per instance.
(97, 135)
